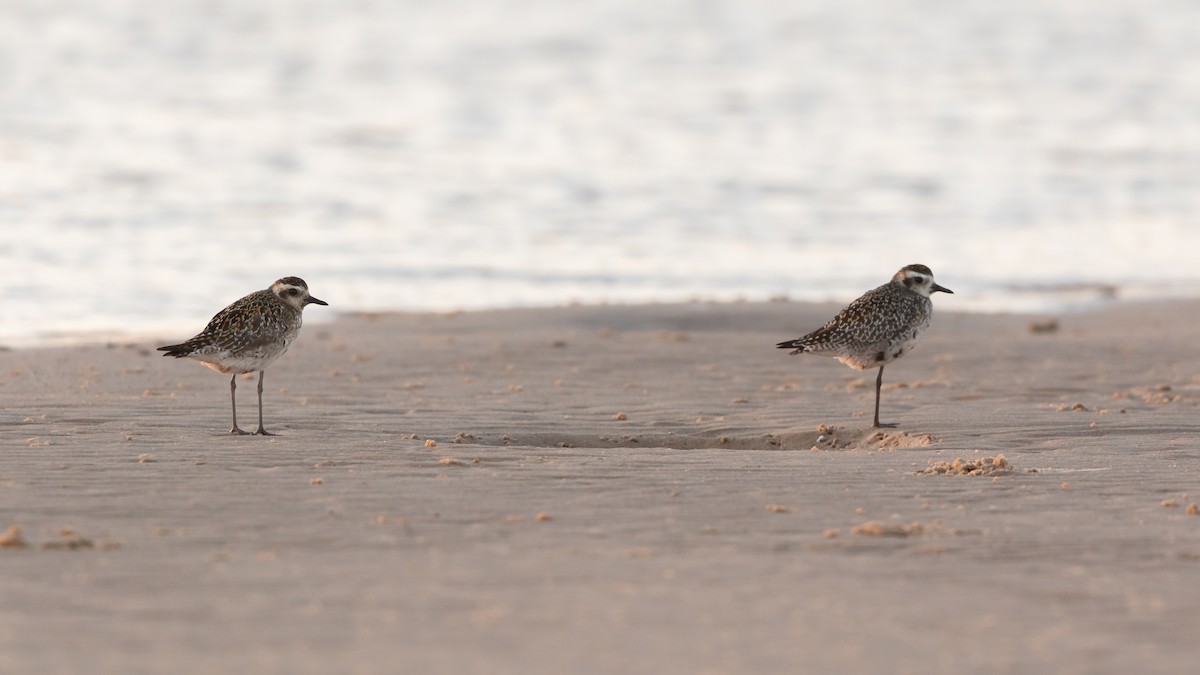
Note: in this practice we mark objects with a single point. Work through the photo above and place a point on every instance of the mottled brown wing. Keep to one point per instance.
(880, 313)
(835, 332)
(244, 325)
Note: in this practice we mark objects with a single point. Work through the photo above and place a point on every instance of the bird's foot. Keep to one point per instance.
(885, 425)
(239, 432)
(263, 432)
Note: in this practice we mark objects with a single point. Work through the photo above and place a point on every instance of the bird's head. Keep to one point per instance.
(293, 291)
(919, 279)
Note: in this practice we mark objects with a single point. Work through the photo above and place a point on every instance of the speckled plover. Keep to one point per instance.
(249, 335)
(879, 327)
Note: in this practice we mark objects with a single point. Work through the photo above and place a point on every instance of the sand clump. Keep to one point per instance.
(874, 528)
(1045, 327)
(1160, 394)
(68, 540)
(833, 437)
(987, 466)
(894, 441)
(935, 528)
(11, 538)
(70, 543)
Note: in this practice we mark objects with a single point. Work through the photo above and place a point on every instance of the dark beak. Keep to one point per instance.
(936, 288)
(310, 300)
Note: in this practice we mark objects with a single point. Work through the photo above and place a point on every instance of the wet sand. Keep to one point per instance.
(610, 489)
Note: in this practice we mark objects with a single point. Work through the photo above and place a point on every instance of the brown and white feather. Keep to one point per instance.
(252, 332)
(877, 328)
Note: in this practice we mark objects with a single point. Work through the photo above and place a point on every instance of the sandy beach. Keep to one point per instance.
(612, 489)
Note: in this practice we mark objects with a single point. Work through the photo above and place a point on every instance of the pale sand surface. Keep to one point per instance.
(346, 544)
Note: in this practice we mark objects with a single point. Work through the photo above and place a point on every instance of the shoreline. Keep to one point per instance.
(547, 490)
(1049, 299)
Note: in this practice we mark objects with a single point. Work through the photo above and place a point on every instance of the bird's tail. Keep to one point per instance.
(798, 345)
(178, 351)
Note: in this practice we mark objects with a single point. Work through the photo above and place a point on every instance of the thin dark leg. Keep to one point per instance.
(233, 402)
(878, 387)
(261, 431)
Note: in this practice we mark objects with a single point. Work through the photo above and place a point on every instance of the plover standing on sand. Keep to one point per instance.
(248, 335)
(877, 328)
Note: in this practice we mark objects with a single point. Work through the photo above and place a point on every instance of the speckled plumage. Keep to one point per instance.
(250, 334)
(877, 328)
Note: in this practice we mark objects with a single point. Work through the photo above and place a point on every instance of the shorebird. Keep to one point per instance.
(249, 335)
(877, 328)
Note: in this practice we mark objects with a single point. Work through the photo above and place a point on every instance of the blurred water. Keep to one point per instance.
(160, 159)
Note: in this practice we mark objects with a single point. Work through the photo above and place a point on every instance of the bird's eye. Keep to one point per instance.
(919, 280)
(293, 291)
